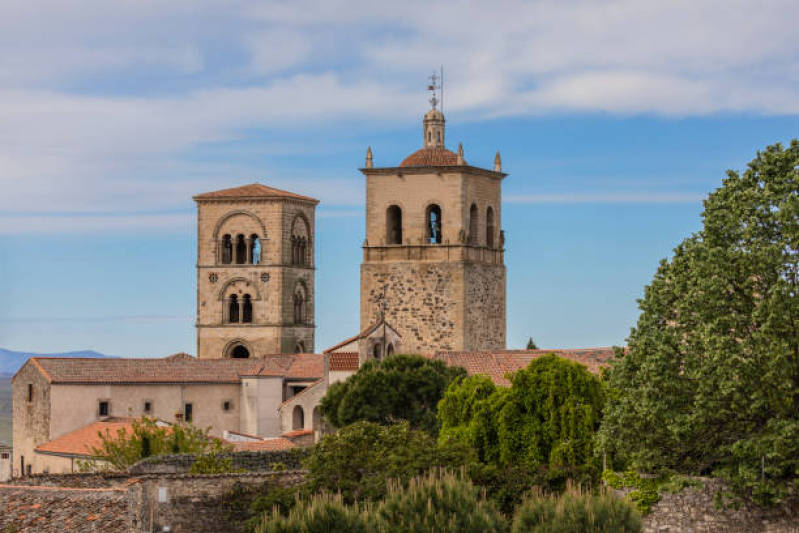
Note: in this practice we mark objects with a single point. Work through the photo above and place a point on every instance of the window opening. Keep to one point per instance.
(227, 250)
(255, 249)
(377, 351)
(148, 407)
(394, 225)
(241, 250)
(103, 410)
(490, 228)
(226, 406)
(233, 315)
(247, 310)
(298, 418)
(188, 412)
(240, 352)
(299, 306)
(473, 224)
(30, 392)
(434, 226)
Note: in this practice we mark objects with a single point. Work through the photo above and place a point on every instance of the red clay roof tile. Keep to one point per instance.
(253, 190)
(431, 157)
(344, 361)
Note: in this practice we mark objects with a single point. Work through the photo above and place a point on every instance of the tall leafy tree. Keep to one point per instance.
(547, 418)
(710, 379)
(401, 387)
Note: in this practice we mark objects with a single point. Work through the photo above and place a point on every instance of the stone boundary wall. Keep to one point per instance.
(93, 480)
(694, 510)
(248, 461)
(196, 503)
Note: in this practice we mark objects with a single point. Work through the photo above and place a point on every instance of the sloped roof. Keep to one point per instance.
(497, 365)
(81, 441)
(297, 433)
(253, 190)
(162, 371)
(343, 361)
(303, 391)
(59, 509)
(307, 366)
(266, 445)
(431, 157)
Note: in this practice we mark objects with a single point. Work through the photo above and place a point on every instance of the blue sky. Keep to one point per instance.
(614, 120)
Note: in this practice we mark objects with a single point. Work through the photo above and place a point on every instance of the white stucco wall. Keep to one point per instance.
(260, 403)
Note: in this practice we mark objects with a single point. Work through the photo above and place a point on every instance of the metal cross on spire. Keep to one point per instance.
(433, 87)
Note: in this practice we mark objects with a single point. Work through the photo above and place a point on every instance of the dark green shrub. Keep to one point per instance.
(576, 511)
(321, 514)
(359, 460)
(441, 502)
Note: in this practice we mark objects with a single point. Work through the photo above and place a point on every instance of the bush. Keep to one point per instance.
(441, 502)
(576, 511)
(321, 514)
(359, 460)
(547, 418)
(403, 387)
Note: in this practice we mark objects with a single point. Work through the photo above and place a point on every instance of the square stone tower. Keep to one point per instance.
(255, 272)
(433, 259)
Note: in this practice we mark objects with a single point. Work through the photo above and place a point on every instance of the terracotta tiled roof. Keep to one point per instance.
(307, 366)
(297, 433)
(431, 157)
(180, 356)
(497, 365)
(253, 190)
(182, 370)
(60, 509)
(81, 441)
(266, 445)
(343, 361)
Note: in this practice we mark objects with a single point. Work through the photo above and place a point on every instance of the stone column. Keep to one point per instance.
(241, 310)
(248, 242)
(226, 310)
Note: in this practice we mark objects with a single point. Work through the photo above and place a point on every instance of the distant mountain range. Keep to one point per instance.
(11, 361)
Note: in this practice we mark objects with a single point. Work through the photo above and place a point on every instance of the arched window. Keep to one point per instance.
(233, 309)
(299, 305)
(300, 239)
(473, 225)
(490, 228)
(390, 350)
(241, 250)
(246, 310)
(298, 418)
(434, 225)
(255, 249)
(377, 351)
(240, 352)
(227, 250)
(394, 225)
(300, 348)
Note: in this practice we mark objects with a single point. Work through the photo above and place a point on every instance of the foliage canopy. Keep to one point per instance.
(401, 387)
(710, 379)
(547, 417)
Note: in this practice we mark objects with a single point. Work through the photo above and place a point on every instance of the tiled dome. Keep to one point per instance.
(431, 157)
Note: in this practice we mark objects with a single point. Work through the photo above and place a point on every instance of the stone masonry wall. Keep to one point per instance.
(31, 419)
(424, 302)
(485, 307)
(249, 461)
(693, 510)
(197, 504)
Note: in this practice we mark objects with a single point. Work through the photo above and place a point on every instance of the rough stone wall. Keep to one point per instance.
(248, 461)
(273, 330)
(425, 302)
(485, 307)
(82, 480)
(31, 419)
(693, 511)
(196, 503)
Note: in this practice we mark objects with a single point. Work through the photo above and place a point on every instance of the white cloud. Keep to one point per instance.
(102, 104)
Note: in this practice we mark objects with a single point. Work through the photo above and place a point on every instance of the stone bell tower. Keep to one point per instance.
(255, 272)
(434, 251)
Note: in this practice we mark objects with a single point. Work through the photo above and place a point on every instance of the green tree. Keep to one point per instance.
(531, 344)
(324, 513)
(710, 379)
(147, 438)
(359, 460)
(403, 387)
(547, 418)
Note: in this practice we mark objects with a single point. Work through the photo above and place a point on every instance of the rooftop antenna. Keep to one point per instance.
(433, 87)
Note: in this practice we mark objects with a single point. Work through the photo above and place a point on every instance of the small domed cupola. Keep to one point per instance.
(434, 129)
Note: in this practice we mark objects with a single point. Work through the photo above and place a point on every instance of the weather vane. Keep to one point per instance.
(433, 87)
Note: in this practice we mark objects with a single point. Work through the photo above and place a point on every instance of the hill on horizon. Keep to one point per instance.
(11, 361)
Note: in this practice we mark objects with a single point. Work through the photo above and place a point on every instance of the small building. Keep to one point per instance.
(5, 462)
